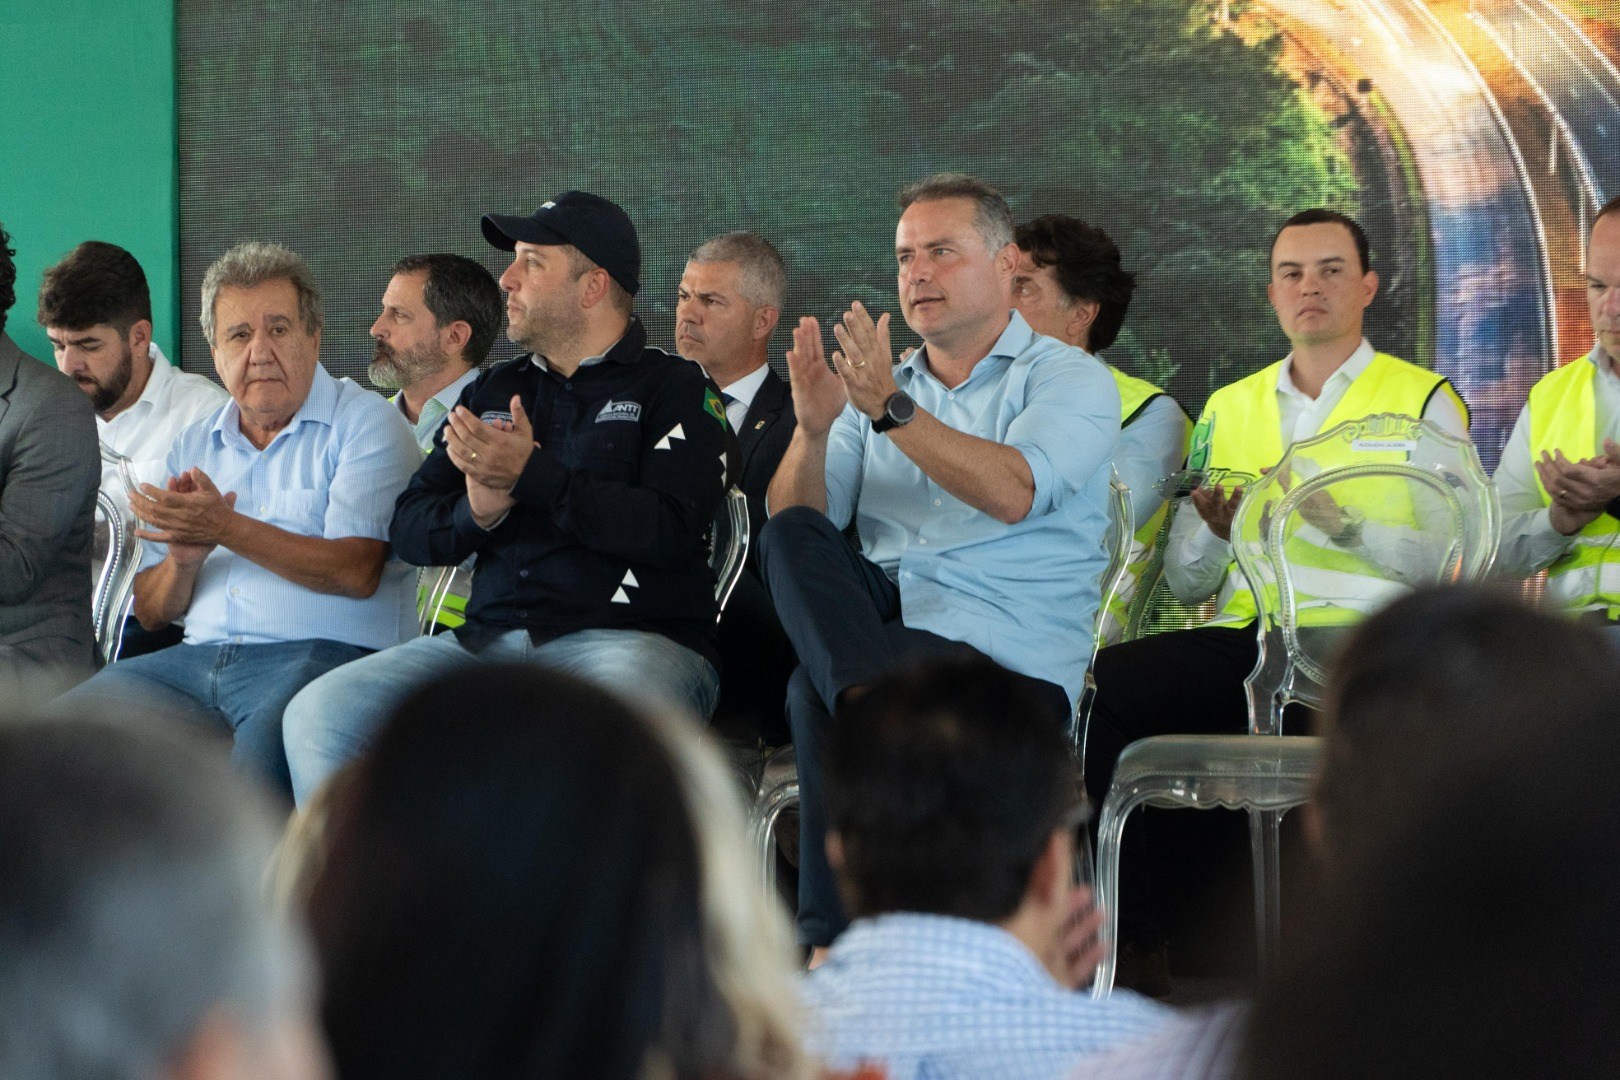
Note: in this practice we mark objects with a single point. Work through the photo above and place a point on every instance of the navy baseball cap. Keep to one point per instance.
(598, 227)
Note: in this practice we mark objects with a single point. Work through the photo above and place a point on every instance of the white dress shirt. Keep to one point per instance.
(172, 401)
(742, 394)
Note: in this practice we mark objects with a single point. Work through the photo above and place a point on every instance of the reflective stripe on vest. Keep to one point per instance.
(1245, 431)
(1563, 416)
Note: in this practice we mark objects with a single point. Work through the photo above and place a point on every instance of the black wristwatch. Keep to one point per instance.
(898, 411)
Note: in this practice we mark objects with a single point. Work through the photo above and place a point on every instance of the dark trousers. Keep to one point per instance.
(1177, 864)
(756, 660)
(842, 614)
(1187, 682)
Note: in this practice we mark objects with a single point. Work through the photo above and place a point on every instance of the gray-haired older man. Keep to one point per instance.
(271, 535)
(726, 308)
(138, 938)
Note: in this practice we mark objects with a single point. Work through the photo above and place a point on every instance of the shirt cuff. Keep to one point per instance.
(467, 526)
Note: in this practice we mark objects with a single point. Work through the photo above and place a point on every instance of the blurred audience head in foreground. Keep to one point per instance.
(525, 877)
(952, 792)
(137, 939)
(1469, 917)
(953, 804)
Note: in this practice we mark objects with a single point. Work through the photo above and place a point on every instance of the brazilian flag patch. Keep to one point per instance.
(712, 406)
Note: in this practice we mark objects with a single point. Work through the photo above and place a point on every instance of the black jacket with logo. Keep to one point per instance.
(612, 508)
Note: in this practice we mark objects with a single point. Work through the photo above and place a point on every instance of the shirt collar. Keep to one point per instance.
(446, 397)
(1602, 360)
(319, 407)
(162, 372)
(1348, 371)
(156, 383)
(744, 389)
(1013, 341)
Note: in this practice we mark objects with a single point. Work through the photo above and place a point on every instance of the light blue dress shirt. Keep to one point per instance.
(333, 472)
(1026, 594)
(944, 998)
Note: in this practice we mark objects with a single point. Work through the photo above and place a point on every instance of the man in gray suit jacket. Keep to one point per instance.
(49, 471)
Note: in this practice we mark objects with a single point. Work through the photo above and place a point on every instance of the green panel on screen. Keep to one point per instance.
(87, 145)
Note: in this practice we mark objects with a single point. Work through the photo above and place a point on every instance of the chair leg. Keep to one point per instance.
(1110, 830)
(766, 812)
(1085, 860)
(1266, 858)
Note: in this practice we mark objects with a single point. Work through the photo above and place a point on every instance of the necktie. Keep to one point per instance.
(427, 424)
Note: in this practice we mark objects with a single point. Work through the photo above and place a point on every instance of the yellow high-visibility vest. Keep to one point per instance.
(1244, 430)
(1134, 396)
(1563, 416)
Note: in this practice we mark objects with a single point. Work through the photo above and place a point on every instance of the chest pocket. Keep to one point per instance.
(299, 511)
(612, 454)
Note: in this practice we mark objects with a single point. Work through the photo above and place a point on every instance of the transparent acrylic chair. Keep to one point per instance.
(1343, 524)
(779, 784)
(114, 577)
(117, 558)
(727, 543)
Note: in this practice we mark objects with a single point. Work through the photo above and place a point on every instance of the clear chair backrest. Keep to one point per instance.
(1154, 608)
(1346, 522)
(728, 544)
(114, 576)
(1117, 546)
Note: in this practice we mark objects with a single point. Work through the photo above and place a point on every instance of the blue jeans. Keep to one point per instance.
(333, 720)
(239, 690)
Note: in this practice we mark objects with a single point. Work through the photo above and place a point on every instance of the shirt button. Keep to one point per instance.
(923, 540)
(523, 614)
(951, 395)
(936, 502)
(264, 509)
(523, 573)
(239, 639)
(235, 591)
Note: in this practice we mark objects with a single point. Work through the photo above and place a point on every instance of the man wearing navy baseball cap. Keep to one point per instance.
(583, 475)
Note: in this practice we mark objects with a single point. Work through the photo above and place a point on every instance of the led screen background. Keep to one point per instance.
(1468, 136)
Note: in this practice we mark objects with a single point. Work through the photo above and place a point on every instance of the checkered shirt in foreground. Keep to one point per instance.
(946, 998)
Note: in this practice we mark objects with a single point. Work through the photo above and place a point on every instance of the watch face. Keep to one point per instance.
(900, 407)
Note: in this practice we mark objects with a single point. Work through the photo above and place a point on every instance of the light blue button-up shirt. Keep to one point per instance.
(929, 996)
(1026, 595)
(333, 472)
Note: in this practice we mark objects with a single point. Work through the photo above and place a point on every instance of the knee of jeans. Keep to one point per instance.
(302, 719)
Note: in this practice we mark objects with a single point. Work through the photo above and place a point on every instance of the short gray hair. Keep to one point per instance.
(251, 264)
(134, 899)
(992, 216)
(761, 275)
